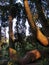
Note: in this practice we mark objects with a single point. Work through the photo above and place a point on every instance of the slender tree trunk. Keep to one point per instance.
(11, 35)
(10, 27)
(29, 15)
(12, 51)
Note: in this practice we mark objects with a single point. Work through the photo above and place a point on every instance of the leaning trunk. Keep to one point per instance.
(42, 38)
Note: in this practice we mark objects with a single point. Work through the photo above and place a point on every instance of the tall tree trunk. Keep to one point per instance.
(11, 35)
(12, 51)
(29, 15)
(42, 38)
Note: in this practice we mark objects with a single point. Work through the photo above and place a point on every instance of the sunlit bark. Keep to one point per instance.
(42, 38)
(30, 56)
(29, 14)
